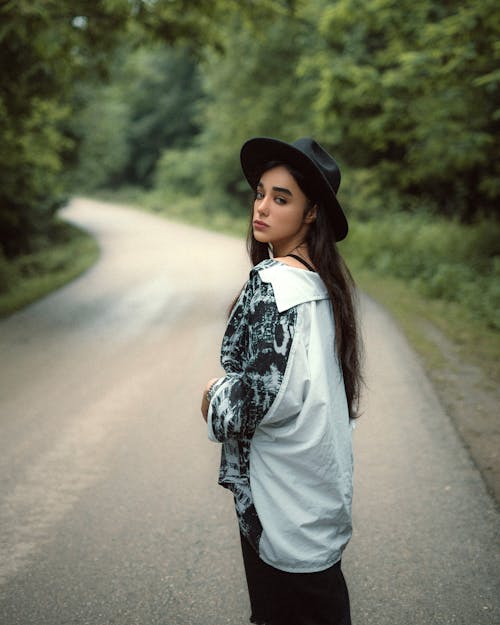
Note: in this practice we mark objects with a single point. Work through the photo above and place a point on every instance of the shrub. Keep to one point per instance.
(441, 259)
(178, 171)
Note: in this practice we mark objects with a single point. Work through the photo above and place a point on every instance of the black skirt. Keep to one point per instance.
(282, 598)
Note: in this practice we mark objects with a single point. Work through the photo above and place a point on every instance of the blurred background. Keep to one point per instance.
(147, 102)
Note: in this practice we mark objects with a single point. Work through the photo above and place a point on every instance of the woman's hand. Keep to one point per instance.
(204, 399)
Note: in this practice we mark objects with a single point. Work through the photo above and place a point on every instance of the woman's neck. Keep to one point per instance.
(290, 248)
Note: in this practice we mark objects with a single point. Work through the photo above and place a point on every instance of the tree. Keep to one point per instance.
(45, 46)
(409, 91)
(121, 128)
(164, 105)
(250, 89)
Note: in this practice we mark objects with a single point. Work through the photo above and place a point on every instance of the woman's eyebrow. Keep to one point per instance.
(283, 190)
(277, 189)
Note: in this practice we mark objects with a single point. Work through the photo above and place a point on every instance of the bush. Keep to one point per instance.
(30, 276)
(441, 259)
(178, 172)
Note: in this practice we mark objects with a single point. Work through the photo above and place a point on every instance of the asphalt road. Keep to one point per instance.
(109, 508)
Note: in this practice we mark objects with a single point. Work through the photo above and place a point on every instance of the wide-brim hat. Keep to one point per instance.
(308, 157)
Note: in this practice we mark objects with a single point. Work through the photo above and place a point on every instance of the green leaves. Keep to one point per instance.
(50, 50)
(405, 93)
(408, 89)
(45, 47)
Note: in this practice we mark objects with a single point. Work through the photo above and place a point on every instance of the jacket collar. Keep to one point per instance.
(293, 286)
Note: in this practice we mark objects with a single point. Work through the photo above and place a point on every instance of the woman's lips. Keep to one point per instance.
(259, 225)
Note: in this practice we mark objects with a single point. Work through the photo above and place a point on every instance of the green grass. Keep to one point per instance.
(440, 259)
(31, 276)
(476, 343)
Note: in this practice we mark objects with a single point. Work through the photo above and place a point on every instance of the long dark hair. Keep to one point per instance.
(338, 280)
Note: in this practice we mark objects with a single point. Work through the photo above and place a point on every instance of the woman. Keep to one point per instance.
(284, 408)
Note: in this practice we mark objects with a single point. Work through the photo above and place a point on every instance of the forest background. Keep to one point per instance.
(149, 101)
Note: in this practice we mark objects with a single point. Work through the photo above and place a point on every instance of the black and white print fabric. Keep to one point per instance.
(254, 355)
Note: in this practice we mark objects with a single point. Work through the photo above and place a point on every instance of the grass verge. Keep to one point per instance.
(474, 341)
(31, 276)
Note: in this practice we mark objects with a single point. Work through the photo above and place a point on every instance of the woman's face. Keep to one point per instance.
(280, 215)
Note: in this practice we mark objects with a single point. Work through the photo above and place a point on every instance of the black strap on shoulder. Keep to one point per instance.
(301, 260)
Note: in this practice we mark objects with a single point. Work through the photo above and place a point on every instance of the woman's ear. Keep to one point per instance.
(310, 216)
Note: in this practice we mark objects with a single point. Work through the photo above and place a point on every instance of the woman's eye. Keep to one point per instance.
(259, 195)
(280, 200)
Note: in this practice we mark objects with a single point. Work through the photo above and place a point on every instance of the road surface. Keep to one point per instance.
(109, 508)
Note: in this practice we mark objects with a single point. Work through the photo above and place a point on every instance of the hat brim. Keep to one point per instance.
(258, 151)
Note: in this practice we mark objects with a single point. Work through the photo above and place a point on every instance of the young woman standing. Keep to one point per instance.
(284, 408)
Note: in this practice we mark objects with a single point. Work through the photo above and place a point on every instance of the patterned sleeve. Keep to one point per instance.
(255, 353)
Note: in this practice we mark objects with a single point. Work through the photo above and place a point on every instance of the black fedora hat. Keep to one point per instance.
(308, 157)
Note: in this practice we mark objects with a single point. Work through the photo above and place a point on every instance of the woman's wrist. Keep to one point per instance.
(207, 396)
(210, 389)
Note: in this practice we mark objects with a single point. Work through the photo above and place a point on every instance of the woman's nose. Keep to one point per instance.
(263, 206)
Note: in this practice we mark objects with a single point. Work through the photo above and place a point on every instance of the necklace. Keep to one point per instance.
(301, 260)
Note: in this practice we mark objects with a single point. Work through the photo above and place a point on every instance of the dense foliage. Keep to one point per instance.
(405, 94)
(440, 259)
(123, 127)
(45, 46)
(409, 90)
(53, 52)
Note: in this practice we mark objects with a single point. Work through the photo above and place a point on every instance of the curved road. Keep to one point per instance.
(109, 508)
